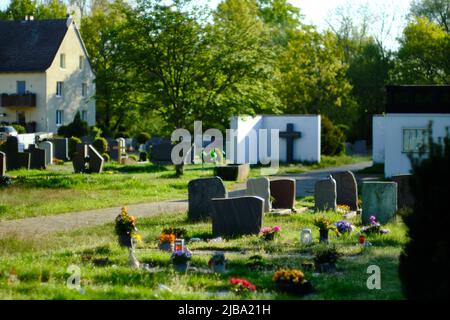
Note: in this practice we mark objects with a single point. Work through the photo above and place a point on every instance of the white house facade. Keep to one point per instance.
(45, 75)
(404, 129)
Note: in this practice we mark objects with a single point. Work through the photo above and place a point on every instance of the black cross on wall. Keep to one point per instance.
(290, 135)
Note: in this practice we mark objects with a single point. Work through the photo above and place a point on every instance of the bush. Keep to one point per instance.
(101, 145)
(73, 141)
(78, 128)
(143, 156)
(134, 157)
(5, 181)
(106, 157)
(333, 138)
(20, 129)
(95, 132)
(424, 262)
(122, 134)
(142, 137)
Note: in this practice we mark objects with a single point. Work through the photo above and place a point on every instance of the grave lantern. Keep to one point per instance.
(179, 245)
(306, 236)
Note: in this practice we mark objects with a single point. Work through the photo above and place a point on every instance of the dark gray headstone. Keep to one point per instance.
(282, 192)
(37, 157)
(260, 187)
(405, 198)
(346, 189)
(12, 145)
(201, 192)
(325, 194)
(379, 199)
(2, 164)
(79, 160)
(113, 146)
(95, 160)
(14, 159)
(161, 153)
(233, 172)
(61, 148)
(237, 216)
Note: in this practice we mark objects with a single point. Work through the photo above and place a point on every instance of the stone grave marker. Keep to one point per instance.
(282, 192)
(61, 148)
(201, 192)
(14, 159)
(96, 161)
(47, 146)
(233, 172)
(79, 161)
(2, 164)
(162, 153)
(237, 216)
(379, 199)
(260, 187)
(346, 189)
(113, 147)
(325, 194)
(405, 198)
(290, 135)
(37, 157)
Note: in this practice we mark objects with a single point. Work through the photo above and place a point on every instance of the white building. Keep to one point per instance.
(45, 74)
(305, 132)
(404, 128)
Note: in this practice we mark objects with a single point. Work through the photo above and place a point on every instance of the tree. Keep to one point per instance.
(18, 9)
(437, 11)
(423, 57)
(51, 9)
(40, 10)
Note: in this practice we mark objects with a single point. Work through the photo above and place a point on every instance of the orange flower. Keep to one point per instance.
(166, 237)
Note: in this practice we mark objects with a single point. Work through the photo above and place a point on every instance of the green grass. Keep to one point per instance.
(37, 268)
(58, 190)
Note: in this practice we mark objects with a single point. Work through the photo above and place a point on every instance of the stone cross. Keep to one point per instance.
(290, 135)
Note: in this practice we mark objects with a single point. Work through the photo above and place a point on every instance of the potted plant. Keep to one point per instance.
(126, 230)
(292, 281)
(344, 227)
(256, 262)
(166, 242)
(180, 233)
(180, 260)
(242, 286)
(269, 233)
(374, 227)
(325, 225)
(217, 262)
(325, 258)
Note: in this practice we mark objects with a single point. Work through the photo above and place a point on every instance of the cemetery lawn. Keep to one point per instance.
(37, 268)
(58, 190)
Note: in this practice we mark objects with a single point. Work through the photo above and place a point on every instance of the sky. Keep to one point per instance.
(319, 13)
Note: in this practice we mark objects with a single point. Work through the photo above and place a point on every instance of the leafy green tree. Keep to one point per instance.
(437, 11)
(332, 138)
(18, 9)
(51, 9)
(423, 57)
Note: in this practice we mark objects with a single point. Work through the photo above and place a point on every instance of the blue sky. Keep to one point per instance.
(319, 13)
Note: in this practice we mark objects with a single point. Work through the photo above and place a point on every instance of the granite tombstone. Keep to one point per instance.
(201, 192)
(282, 192)
(346, 189)
(325, 194)
(379, 199)
(260, 187)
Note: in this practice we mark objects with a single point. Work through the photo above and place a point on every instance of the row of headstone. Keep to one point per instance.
(340, 188)
(87, 159)
(117, 149)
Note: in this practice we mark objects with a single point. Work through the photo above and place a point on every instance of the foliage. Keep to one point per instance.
(325, 254)
(126, 224)
(437, 11)
(45, 9)
(178, 257)
(180, 233)
(268, 233)
(289, 275)
(332, 138)
(95, 132)
(324, 223)
(73, 141)
(5, 181)
(256, 262)
(142, 137)
(77, 128)
(242, 286)
(374, 227)
(106, 157)
(101, 145)
(19, 128)
(344, 226)
(427, 226)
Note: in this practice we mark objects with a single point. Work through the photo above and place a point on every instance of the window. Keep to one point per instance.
(81, 63)
(59, 88)
(83, 90)
(415, 139)
(62, 60)
(59, 117)
(21, 87)
(84, 115)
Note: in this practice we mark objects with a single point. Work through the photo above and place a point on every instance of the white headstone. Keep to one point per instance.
(47, 146)
(260, 187)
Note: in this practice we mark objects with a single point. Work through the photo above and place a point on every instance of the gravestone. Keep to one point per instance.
(61, 148)
(346, 189)
(113, 147)
(233, 172)
(14, 159)
(360, 147)
(79, 161)
(290, 135)
(237, 216)
(201, 192)
(2, 164)
(95, 160)
(325, 194)
(47, 146)
(405, 198)
(37, 157)
(162, 153)
(379, 199)
(260, 187)
(282, 192)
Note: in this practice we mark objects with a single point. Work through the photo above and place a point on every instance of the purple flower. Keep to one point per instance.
(343, 226)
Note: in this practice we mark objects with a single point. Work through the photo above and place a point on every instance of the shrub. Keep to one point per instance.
(332, 138)
(95, 132)
(73, 141)
(5, 181)
(19, 128)
(143, 156)
(134, 157)
(101, 145)
(424, 262)
(106, 157)
(122, 134)
(78, 128)
(142, 137)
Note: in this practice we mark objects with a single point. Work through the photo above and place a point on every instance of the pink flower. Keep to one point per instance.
(266, 229)
(276, 229)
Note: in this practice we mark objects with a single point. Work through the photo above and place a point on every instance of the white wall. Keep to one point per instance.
(395, 161)
(378, 139)
(306, 148)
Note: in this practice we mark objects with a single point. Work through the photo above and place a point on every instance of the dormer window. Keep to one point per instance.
(62, 61)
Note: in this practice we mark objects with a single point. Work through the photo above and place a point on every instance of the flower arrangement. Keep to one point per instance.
(181, 257)
(342, 208)
(323, 223)
(167, 238)
(292, 281)
(256, 262)
(179, 233)
(125, 228)
(325, 258)
(269, 233)
(242, 286)
(374, 227)
(344, 226)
